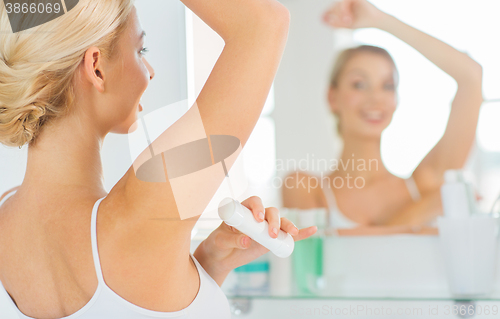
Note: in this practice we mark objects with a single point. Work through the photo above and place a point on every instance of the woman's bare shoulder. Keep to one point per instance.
(301, 190)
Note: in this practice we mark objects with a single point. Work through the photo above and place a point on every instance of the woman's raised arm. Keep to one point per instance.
(453, 148)
(254, 32)
(230, 103)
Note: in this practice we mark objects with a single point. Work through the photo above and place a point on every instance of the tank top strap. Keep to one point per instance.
(7, 196)
(413, 189)
(331, 203)
(335, 218)
(329, 196)
(93, 236)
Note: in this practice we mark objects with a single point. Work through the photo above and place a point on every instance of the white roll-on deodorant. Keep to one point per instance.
(236, 215)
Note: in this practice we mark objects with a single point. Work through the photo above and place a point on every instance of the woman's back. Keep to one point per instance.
(34, 255)
(51, 269)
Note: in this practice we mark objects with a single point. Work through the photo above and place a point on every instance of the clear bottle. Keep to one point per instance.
(457, 195)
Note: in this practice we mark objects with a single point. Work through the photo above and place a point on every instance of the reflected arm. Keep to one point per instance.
(452, 150)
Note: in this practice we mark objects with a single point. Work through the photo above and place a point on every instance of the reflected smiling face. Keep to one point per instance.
(365, 96)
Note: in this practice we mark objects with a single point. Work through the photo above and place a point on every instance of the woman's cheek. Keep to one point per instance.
(354, 100)
(393, 103)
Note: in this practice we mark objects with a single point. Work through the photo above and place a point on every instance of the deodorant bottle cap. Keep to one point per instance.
(228, 212)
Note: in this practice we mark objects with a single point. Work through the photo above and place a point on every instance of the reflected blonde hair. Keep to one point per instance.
(37, 66)
(345, 56)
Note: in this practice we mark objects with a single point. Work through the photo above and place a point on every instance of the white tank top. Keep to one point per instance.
(210, 302)
(339, 220)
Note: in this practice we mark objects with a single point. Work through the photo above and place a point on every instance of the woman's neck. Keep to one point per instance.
(65, 157)
(361, 158)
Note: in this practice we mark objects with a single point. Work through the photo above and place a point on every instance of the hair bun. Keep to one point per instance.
(37, 67)
(20, 125)
(31, 120)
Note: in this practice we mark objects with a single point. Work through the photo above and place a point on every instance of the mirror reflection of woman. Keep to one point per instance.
(363, 97)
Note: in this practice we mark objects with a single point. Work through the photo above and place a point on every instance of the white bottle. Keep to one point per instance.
(236, 215)
(456, 195)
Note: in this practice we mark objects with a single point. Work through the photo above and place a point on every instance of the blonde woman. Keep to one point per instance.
(362, 95)
(70, 250)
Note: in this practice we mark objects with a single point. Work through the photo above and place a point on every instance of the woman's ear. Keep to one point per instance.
(332, 97)
(93, 70)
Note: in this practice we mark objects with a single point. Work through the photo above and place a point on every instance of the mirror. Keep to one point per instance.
(390, 159)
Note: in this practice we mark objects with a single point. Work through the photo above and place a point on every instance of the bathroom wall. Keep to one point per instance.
(304, 128)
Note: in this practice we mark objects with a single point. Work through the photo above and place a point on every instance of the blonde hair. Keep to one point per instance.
(37, 66)
(348, 54)
(345, 56)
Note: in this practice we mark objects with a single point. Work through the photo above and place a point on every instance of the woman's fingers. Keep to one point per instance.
(305, 233)
(297, 234)
(254, 203)
(339, 15)
(273, 219)
(329, 14)
(233, 238)
(345, 10)
(230, 238)
(289, 227)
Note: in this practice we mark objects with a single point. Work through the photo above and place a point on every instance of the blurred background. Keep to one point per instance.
(296, 124)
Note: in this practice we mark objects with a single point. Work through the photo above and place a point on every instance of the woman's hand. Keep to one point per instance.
(227, 248)
(353, 14)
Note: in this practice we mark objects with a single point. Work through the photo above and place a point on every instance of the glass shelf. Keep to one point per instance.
(373, 297)
(376, 268)
(399, 267)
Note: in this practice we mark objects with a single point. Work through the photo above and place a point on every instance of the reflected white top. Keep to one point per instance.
(210, 302)
(339, 220)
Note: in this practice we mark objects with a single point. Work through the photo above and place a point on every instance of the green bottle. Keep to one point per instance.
(308, 253)
(308, 264)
